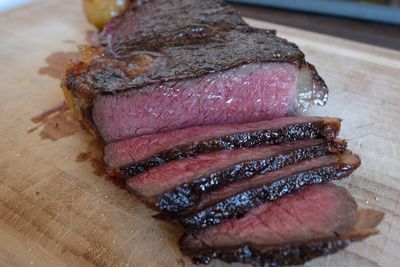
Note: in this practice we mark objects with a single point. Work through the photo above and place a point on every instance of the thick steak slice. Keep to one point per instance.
(164, 65)
(319, 220)
(184, 182)
(236, 199)
(248, 93)
(133, 156)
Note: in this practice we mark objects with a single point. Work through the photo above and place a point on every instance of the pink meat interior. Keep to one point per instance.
(166, 177)
(139, 148)
(251, 92)
(321, 211)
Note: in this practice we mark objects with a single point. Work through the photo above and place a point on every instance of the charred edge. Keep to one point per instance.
(338, 146)
(330, 128)
(241, 203)
(73, 81)
(285, 134)
(187, 195)
(293, 254)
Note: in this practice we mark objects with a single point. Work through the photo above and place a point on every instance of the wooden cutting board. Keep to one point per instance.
(56, 211)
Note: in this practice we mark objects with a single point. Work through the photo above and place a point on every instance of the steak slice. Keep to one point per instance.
(183, 183)
(317, 221)
(236, 199)
(133, 156)
(164, 65)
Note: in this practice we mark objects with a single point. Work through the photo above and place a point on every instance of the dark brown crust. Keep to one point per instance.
(288, 254)
(293, 254)
(187, 195)
(325, 129)
(168, 40)
(243, 202)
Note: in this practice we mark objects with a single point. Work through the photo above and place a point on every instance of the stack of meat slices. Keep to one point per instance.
(180, 91)
(238, 189)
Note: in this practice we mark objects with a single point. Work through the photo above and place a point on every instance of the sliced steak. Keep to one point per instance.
(238, 198)
(248, 93)
(184, 182)
(164, 65)
(133, 156)
(319, 220)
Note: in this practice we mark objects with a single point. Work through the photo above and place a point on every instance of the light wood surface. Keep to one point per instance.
(54, 211)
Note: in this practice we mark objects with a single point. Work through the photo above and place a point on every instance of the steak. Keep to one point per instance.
(236, 199)
(133, 156)
(164, 65)
(186, 181)
(193, 108)
(319, 220)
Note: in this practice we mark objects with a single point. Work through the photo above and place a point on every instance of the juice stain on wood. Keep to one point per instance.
(57, 123)
(82, 157)
(94, 153)
(57, 62)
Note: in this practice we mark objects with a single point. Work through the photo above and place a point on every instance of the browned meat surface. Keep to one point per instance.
(296, 228)
(196, 111)
(184, 183)
(133, 156)
(236, 199)
(168, 64)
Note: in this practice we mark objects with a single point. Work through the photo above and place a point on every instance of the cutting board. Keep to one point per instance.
(58, 209)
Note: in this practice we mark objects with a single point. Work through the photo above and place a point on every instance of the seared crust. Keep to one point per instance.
(167, 40)
(328, 128)
(292, 254)
(243, 202)
(202, 251)
(288, 254)
(187, 195)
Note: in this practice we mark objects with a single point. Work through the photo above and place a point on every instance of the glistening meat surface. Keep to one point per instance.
(319, 220)
(249, 93)
(236, 199)
(180, 91)
(187, 180)
(133, 156)
(162, 66)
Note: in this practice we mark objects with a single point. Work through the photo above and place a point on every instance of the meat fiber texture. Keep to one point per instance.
(238, 198)
(313, 222)
(135, 155)
(186, 181)
(249, 93)
(169, 176)
(155, 86)
(164, 65)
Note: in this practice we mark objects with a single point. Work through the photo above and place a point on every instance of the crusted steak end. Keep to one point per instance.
(314, 222)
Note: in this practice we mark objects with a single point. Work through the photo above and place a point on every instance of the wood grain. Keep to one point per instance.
(57, 212)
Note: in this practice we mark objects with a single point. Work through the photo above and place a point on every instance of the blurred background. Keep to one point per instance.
(385, 11)
(375, 22)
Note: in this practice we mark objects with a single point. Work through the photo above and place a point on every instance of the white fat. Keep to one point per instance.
(309, 91)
